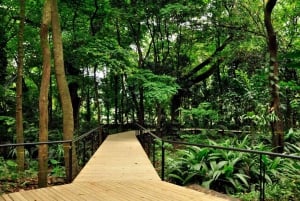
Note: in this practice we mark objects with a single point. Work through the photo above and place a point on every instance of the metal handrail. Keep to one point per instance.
(34, 143)
(143, 130)
(70, 142)
(86, 134)
(82, 139)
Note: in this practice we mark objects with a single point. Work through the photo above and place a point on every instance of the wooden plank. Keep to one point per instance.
(47, 194)
(29, 195)
(120, 157)
(6, 197)
(128, 190)
(17, 197)
(86, 192)
(116, 192)
(66, 193)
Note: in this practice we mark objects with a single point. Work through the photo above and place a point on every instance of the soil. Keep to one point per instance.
(10, 186)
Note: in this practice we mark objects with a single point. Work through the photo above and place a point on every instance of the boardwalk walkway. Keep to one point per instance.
(119, 170)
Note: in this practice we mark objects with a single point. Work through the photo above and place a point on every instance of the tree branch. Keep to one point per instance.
(208, 60)
(269, 5)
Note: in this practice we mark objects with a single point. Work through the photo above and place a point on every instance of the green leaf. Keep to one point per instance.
(189, 178)
(206, 184)
(175, 176)
(243, 178)
(54, 162)
(216, 175)
(11, 163)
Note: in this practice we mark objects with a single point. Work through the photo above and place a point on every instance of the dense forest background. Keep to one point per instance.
(68, 66)
(194, 63)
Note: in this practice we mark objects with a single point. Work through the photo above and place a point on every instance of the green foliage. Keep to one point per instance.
(201, 116)
(8, 169)
(158, 88)
(57, 169)
(215, 169)
(7, 127)
(292, 141)
(235, 172)
(57, 152)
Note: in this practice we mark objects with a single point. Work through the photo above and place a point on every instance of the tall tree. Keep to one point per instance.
(44, 92)
(19, 110)
(276, 122)
(65, 98)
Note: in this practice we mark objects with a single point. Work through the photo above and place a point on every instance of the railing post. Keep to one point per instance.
(84, 152)
(92, 143)
(153, 151)
(70, 162)
(262, 172)
(162, 160)
(98, 137)
(149, 144)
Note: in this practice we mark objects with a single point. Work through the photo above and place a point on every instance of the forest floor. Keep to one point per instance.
(10, 186)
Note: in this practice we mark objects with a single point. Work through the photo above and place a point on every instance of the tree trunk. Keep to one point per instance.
(141, 115)
(44, 92)
(3, 57)
(75, 99)
(19, 109)
(97, 102)
(276, 123)
(65, 98)
(116, 98)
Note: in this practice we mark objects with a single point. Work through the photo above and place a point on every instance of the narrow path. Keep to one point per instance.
(118, 171)
(119, 158)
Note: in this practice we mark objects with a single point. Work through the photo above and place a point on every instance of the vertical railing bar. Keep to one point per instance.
(149, 145)
(98, 138)
(92, 144)
(84, 152)
(263, 181)
(153, 151)
(70, 162)
(162, 161)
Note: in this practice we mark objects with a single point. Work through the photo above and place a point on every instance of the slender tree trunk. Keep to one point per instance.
(3, 57)
(65, 98)
(122, 109)
(116, 98)
(141, 114)
(44, 92)
(19, 109)
(276, 124)
(75, 99)
(97, 102)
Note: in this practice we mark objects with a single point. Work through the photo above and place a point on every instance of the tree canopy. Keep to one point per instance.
(133, 61)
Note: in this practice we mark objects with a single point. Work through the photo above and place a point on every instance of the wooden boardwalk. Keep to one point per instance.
(119, 170)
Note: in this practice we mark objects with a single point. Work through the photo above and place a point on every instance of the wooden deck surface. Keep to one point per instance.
(119, 170)
(120, 157)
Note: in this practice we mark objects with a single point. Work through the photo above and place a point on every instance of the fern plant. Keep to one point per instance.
(215, 169)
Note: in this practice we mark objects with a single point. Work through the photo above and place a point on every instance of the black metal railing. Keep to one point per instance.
(31, 144)
(86, 144)
(148, 140)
